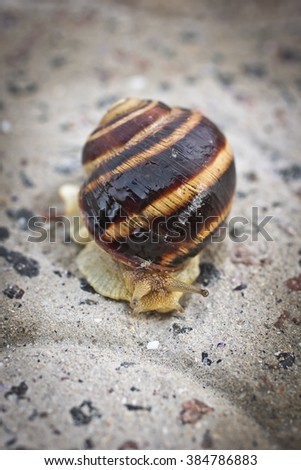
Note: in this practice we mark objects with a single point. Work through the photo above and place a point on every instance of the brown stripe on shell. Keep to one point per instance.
(140, 180)
(130, 139)
(119, 110)
(155, 249)
(123, 108)
(132, 114)
(174, 159)
(173, 259)
(216, 210)
(119, 113)
(178, 201)
(131, 248)
(120, 131)
(145, 145)
(160, 247)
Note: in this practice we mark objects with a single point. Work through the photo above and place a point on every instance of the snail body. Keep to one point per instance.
(160, 181)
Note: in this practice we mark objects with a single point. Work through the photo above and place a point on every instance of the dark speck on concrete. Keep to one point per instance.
(4, 233)
(131, 407)
(178, 329)
(241, 194)
(251, 176)
(129, 445)
(26, 180)
(84, 413)
(125, 365)
(22, 217)
(67, 168)
(255, 70)
(33, 415)
(205, 359)
(58, 61)
(286, 359)
(240, 287)
(225, 78)
(22, 87)
(188, 36)
(23, 265)
(87, 302)
(207, 442)
(18, 390)
(289, 54)
(14, 292)
(11, 441)
(165, 85)
(191, 79)
(84, 285)
(88, 444)
(292, 172)
(209, 274)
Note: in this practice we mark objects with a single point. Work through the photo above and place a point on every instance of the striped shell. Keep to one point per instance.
(160, 181)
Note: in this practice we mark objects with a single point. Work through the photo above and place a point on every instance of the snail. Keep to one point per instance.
(159, 182)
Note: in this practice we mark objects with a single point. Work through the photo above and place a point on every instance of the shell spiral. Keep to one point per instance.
(160, 181)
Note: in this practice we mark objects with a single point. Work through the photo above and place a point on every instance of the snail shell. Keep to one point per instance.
(160, 181)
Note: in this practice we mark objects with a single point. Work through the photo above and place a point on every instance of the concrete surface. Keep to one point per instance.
(77, 370)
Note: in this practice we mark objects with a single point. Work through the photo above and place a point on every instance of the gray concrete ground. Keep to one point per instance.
(77, 370)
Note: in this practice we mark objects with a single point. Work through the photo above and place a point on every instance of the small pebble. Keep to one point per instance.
(193, 410)
(294, 283)
(177, 329)
(286, 359)
(14, 292)
(153, 345)
(205, 359)
(83, 414)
